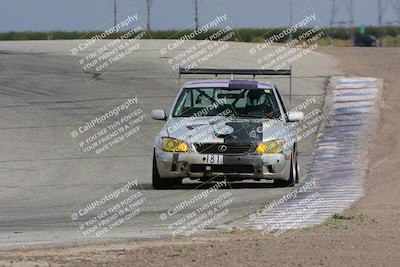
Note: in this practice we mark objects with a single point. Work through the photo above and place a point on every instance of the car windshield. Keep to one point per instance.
(251, 103)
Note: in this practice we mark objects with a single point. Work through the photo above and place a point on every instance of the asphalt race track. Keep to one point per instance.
(44, 178)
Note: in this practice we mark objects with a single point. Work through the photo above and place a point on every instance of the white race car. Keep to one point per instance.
(226, 129)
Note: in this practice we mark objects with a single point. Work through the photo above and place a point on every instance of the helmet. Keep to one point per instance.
(255, 98)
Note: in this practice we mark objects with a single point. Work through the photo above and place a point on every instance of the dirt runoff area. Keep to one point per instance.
(366, 235)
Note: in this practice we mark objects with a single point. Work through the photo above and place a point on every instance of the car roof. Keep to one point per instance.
(244, 84)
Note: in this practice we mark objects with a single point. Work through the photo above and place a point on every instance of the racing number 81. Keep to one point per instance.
(214, 159)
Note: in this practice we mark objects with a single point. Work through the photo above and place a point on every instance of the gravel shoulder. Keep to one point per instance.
(367, 235)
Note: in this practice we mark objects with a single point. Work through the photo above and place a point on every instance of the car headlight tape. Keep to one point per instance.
(174, 145)
(270, 147)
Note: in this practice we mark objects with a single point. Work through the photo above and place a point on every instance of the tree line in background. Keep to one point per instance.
(245, 35)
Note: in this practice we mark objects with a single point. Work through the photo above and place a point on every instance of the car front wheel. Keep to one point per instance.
(291, 179)
(160, 183)
(297, 168)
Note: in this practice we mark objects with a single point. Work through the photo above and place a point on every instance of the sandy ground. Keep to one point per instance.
(367, 236)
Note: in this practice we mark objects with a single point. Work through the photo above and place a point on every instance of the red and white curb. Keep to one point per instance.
(336, 175)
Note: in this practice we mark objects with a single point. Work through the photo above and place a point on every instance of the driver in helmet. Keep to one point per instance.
(256, 101)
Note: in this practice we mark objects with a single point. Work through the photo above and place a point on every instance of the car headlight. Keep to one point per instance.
(273, 146)
(174, 145)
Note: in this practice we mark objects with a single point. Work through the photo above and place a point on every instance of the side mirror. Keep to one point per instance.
(295, 116)
(159, 114)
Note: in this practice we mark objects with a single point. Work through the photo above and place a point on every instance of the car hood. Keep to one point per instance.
(216, 130)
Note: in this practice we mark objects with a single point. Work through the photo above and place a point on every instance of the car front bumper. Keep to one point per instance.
(234, 167)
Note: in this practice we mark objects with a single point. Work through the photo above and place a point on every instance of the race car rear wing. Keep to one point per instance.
(242, 72)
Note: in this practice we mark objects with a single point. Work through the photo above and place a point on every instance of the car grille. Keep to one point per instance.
(226, 149)
(222, 168)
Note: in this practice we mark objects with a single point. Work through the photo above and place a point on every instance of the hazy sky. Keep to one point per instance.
(46, 15)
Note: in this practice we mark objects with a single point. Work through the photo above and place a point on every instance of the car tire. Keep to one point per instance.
(160, 183)
(297, 168)
(291, 179)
